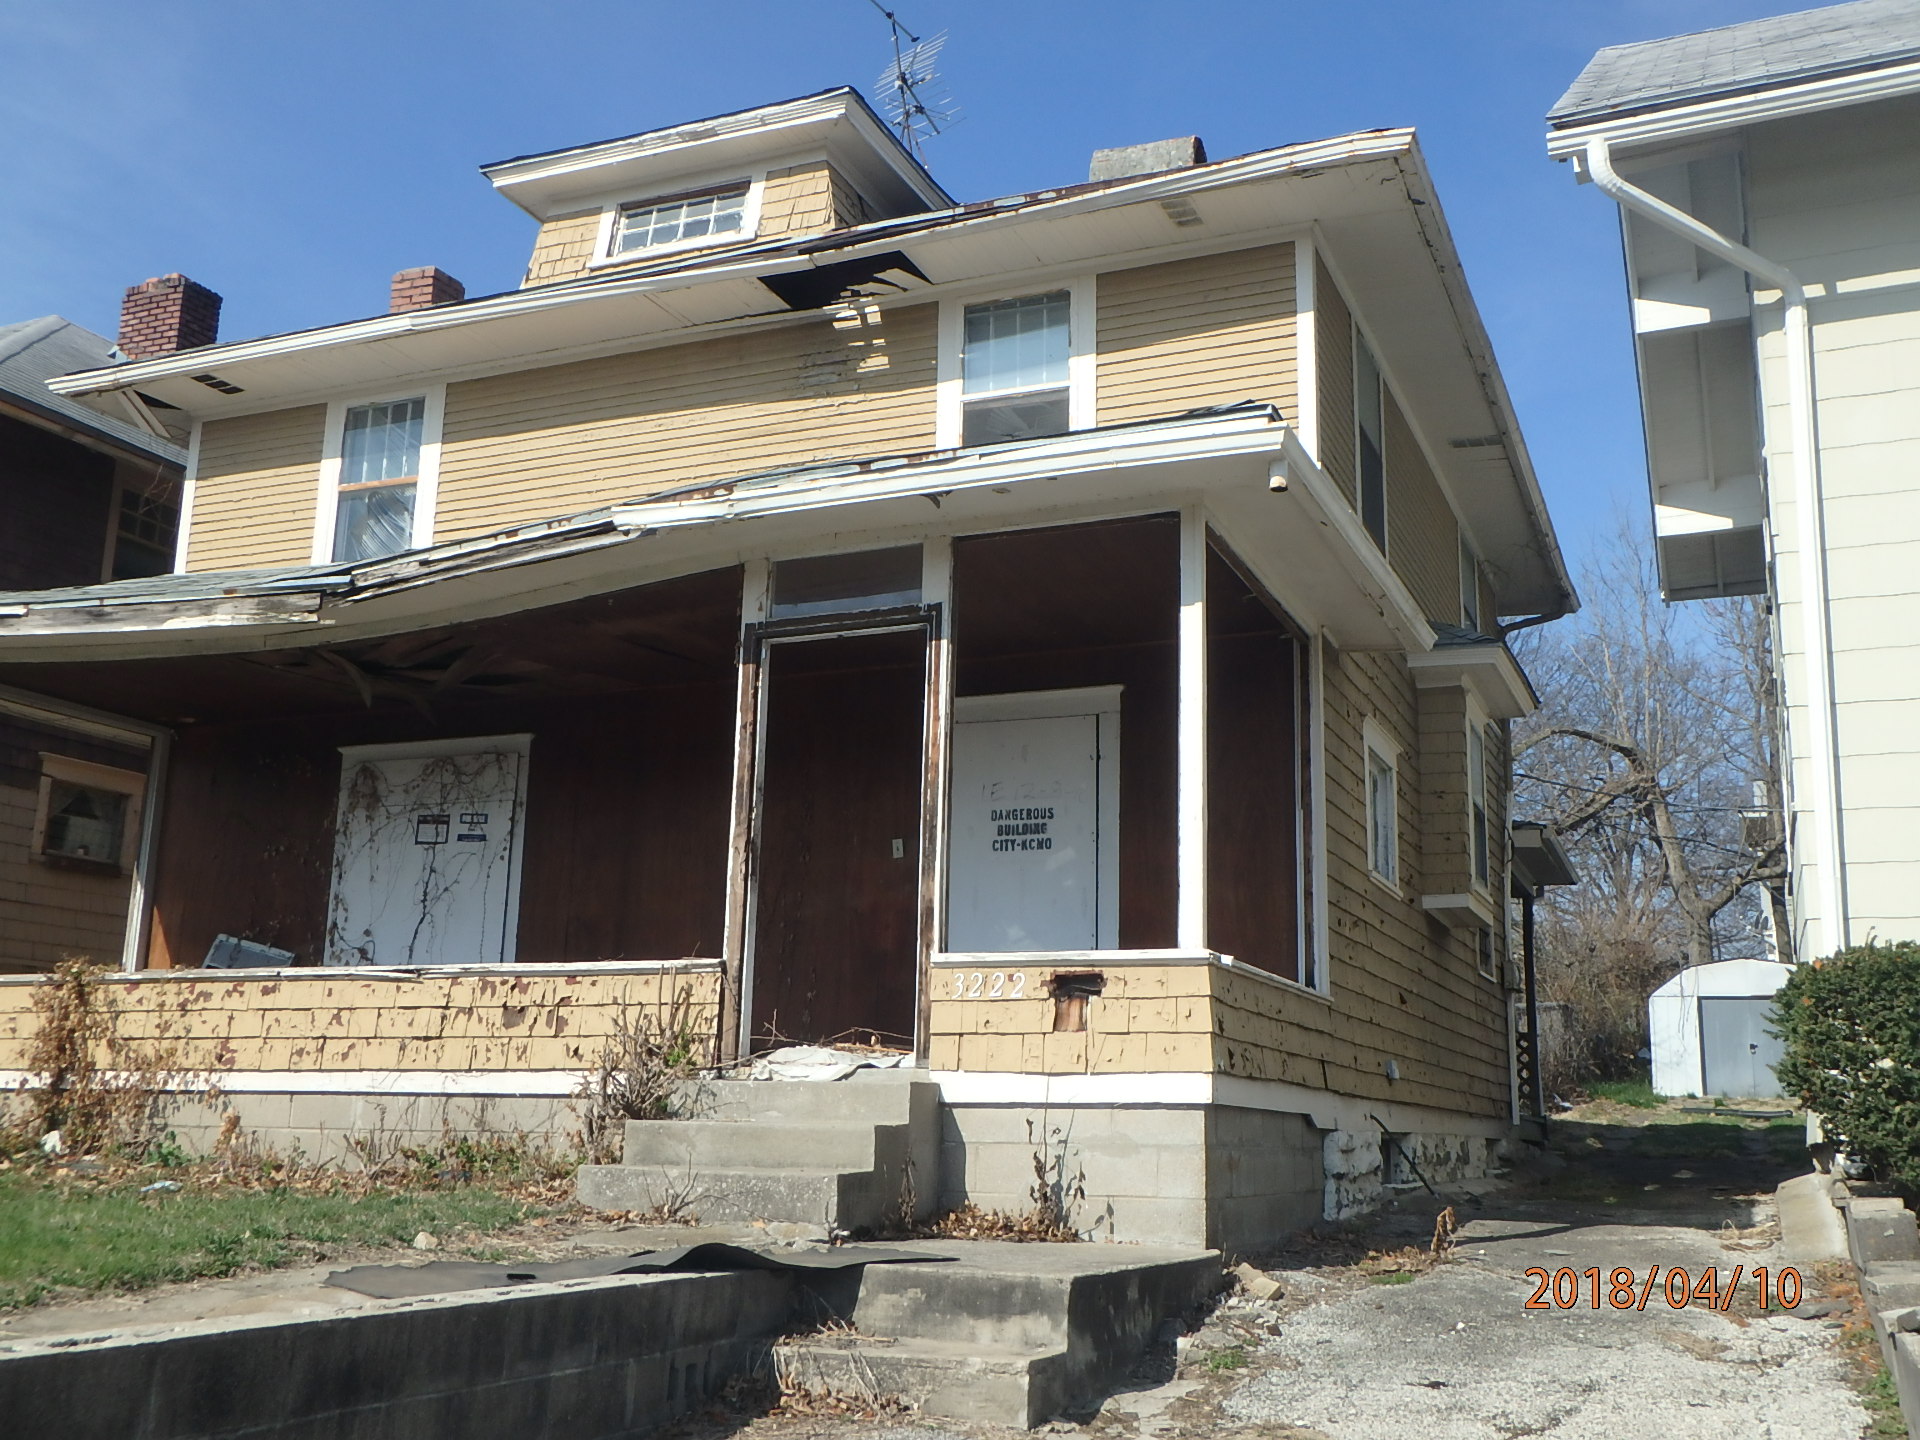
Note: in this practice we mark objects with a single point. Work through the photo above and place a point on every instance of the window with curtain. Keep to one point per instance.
(1013, 367)
(379, 476)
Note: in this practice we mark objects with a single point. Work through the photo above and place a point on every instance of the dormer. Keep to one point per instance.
(802, 167)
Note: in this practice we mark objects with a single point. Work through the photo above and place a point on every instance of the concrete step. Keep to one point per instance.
(870, 1097)
(1005, 1333)
(845, 1200)
(743, 1145)
(984, 1384)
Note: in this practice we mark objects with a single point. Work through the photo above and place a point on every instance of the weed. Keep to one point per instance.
(1231, 1358)
(641, 1074)
(1637, 1093)
(1391, 1277)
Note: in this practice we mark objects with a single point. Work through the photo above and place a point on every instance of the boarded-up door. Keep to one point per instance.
(424, 863)
(837, 839)
(1032, 823)
(1737, 1054)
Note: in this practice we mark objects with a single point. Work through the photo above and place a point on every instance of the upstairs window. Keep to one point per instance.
(145, 528)
(1014, 369)
(703, 216)
(1383, 848)
(1370, 444)
(379, 479)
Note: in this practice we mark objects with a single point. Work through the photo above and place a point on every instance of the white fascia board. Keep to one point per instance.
(1692, 121)
(1362, 559)
(755, 132)
(1488, 672)
(966, 470)
(889, 235)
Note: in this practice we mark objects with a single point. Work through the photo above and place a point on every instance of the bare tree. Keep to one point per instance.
(1656, 734)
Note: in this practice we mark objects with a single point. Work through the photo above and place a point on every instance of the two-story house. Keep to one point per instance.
(1052, 635)
(1768, 176)
(89, 492)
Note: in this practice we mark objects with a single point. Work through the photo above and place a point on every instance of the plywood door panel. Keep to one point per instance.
(837, 853)
(1024, 867)
(423, 870)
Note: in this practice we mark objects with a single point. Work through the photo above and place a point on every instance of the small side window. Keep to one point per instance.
(88, 815)
(1383, 805)
(1469, 587)
(1484, 947)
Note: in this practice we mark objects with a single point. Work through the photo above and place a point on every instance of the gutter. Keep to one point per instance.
(1809, 505)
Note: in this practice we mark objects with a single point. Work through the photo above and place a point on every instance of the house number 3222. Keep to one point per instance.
(982, 986)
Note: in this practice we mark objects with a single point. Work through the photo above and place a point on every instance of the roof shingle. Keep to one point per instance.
(1756, 55)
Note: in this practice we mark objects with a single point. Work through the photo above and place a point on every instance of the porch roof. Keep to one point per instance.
(1283, 514)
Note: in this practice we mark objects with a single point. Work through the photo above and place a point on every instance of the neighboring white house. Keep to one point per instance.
(1769, 179)
(1710, 1030)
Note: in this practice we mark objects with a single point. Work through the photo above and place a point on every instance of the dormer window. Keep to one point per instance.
(699, 217)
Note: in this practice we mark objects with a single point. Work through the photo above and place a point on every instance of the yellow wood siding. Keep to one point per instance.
(1191, 333)
(255, 489)
(798, 200)
(1423, 539)
(539, 1018)
(1406, 988)
(1333, 350)
(808, 199)
(540, 443)
(563, 247)
(1443, 791)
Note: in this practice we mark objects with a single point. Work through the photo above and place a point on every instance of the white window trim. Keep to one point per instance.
(426, 491)
(130, 783)
(604, 253)
(189, 493)
(1477, 725)
(1374, 740)
(950, 399)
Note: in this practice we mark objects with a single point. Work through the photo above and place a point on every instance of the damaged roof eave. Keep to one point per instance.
(1135, 469)
(170, 375)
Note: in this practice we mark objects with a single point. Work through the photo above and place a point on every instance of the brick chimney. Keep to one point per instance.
(422, 286)
(165, 314)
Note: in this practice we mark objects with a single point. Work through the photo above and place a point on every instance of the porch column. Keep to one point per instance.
(746, 732)
(1190, 926)
(936, 593)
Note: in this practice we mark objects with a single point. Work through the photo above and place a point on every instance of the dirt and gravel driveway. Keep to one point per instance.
(1355, 1349)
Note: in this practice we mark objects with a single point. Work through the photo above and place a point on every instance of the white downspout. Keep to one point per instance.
(1816, 637)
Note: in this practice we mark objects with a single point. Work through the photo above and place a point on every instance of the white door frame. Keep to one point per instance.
(1103, 703)
(520, 745)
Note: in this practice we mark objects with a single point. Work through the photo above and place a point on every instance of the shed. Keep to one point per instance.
(1710, 1030)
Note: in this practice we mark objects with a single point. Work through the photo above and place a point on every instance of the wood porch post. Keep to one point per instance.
(1190, 928)
(735, 1016)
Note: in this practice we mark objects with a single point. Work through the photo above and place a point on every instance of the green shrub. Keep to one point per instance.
(1851, 1027)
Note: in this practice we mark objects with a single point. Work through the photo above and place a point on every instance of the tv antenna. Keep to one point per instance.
(911, 91)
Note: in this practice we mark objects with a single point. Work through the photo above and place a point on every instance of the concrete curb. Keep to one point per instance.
(1883, 1241)
(578, 1360)
(1810, 1226)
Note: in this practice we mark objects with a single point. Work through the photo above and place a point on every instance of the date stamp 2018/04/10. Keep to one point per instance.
(1624, 1289)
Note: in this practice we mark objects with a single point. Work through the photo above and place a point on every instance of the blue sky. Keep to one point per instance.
(293, 154)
